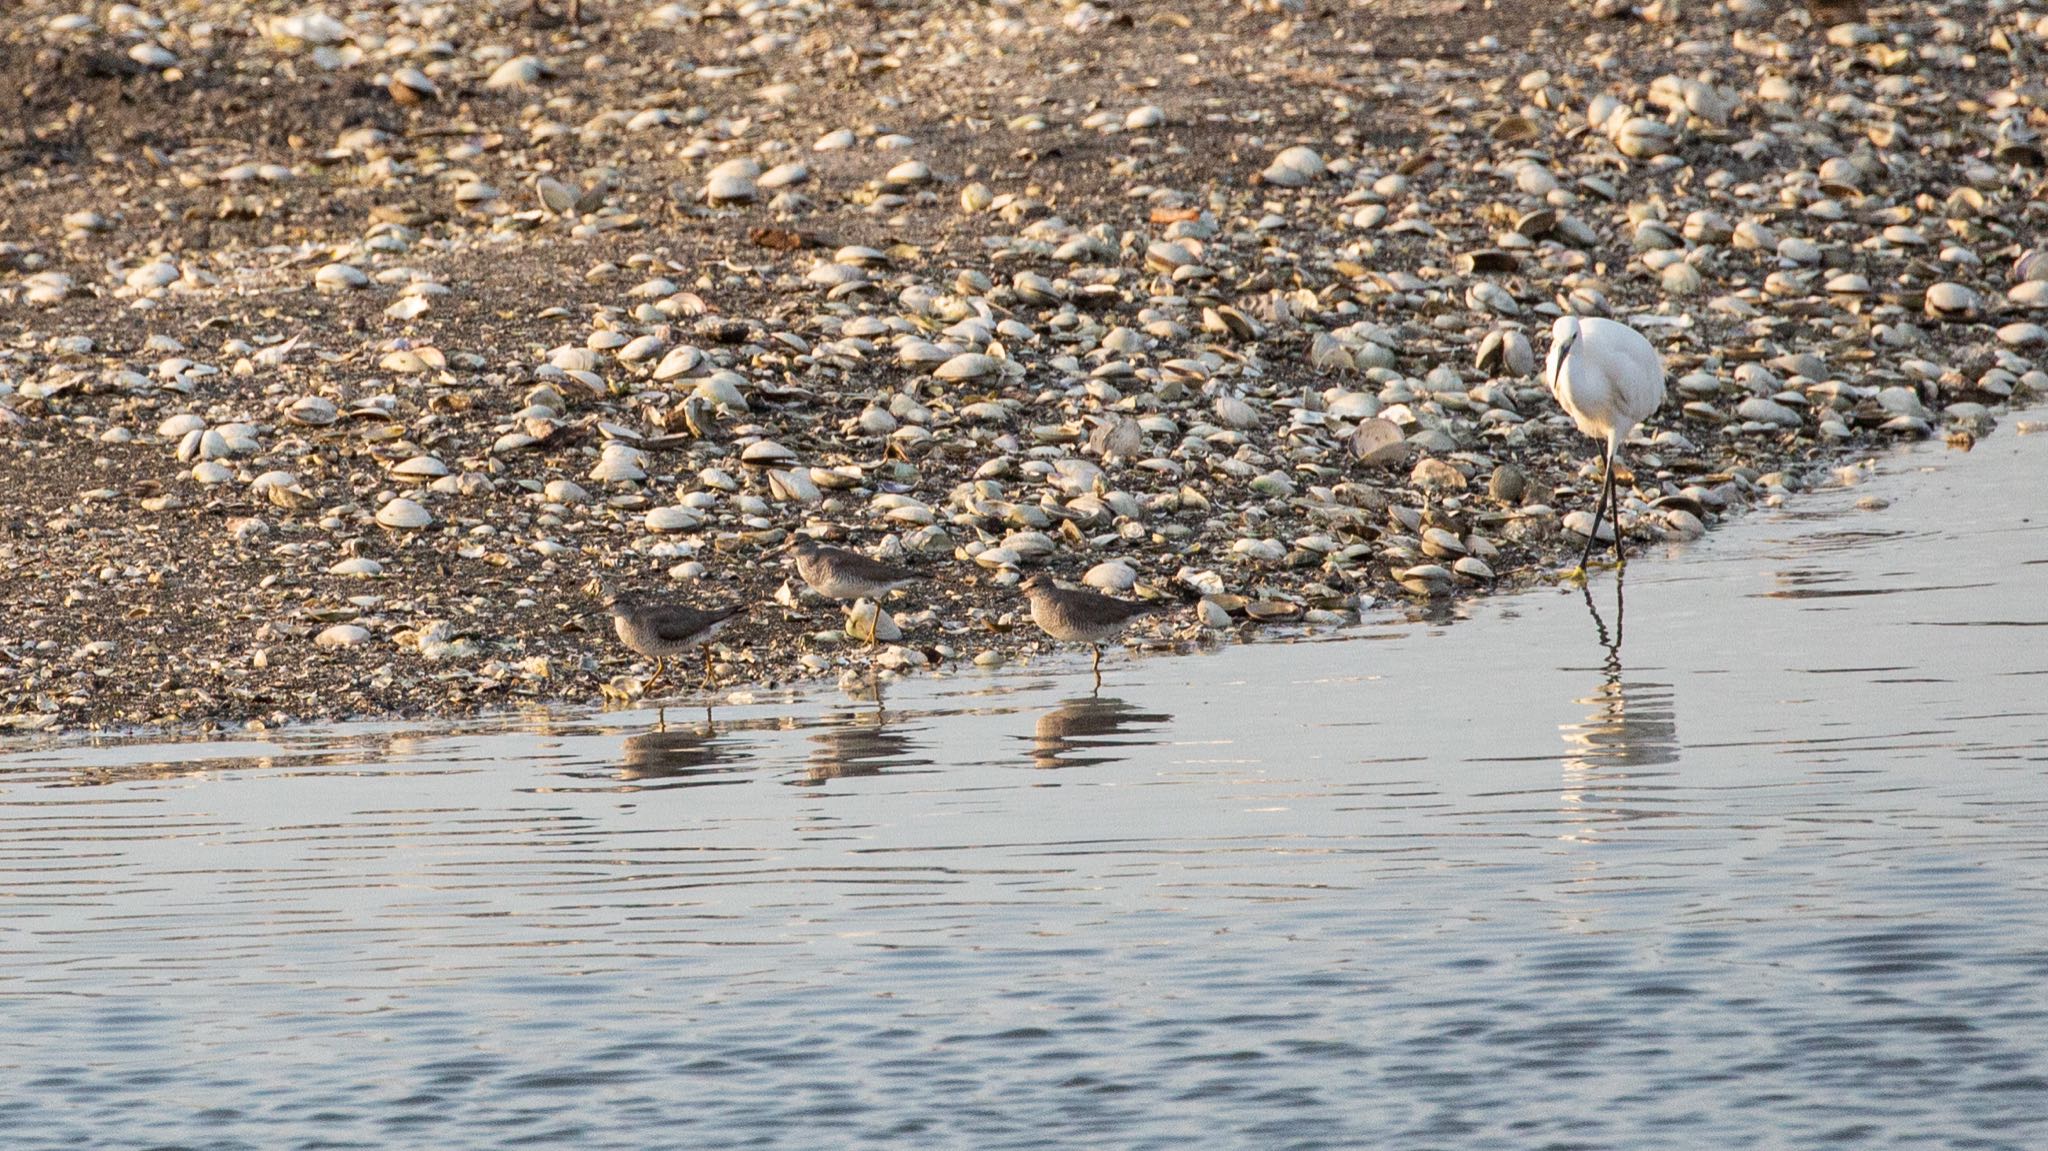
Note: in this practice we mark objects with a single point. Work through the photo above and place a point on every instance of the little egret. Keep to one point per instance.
(1608, 378)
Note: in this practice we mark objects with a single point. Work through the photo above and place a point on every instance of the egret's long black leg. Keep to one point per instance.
(1614, 511)
(1599, 506)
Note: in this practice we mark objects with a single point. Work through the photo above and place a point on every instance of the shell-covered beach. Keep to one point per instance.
(347, 346)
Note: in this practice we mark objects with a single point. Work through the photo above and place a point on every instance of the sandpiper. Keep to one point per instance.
(843, 574)
(1075, 616)
(662, 630)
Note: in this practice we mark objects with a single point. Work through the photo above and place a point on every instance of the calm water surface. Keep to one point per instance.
(1770, 872)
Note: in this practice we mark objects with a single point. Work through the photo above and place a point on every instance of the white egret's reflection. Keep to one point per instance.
(1633, 725)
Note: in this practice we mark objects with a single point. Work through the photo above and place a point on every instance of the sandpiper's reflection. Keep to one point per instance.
(1083, 732)
(862, 742)
(1633, 725)
(675, 753)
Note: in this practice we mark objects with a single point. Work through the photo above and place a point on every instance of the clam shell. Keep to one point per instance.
(403, 513)
(1378, 443)
(766, 454)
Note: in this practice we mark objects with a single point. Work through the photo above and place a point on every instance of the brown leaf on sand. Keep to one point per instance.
(784, 239)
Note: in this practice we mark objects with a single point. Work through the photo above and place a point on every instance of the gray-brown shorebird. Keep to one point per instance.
(663, 630)
(1075, 616)
(843, 574)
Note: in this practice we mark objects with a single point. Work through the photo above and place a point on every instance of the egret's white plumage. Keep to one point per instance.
(1608, 378)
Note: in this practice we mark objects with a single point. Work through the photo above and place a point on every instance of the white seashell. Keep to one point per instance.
(785, 175)
(1765, 411)
(672, 519)
(403, 513)
(680, 361)
(179, 426)
(1473, 567)
(1294, 167)
(1644, 138)
(620, 463)
(555, 196)
(1233, 412)
(1379, 442)
(868, 620)
(2023, 335)
(640, 349)
(909, 172)
(280, 488)
(968, 366)
(421, 467)
(1681, 279)
(721, 389)
(794, 485)
(362, 567)
(47, 288)
(518, 72)
(766, 453)
(1259, 550)
(730, 190)
(409, 308)
(207, 444)
(340, 278)
(1952, 301)
(342, 635)
(830, 275)
(416, 82)
(2029, 294)
(1111, 576)
(404, 362)
(153, 275)
(311, 28)
(1580, 523)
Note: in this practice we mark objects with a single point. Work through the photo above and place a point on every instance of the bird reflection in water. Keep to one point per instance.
(857, 743)
(1633, 725)
(679, 753)
(1084, 731)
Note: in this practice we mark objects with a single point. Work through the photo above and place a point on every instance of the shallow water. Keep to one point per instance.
(1771, 876)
